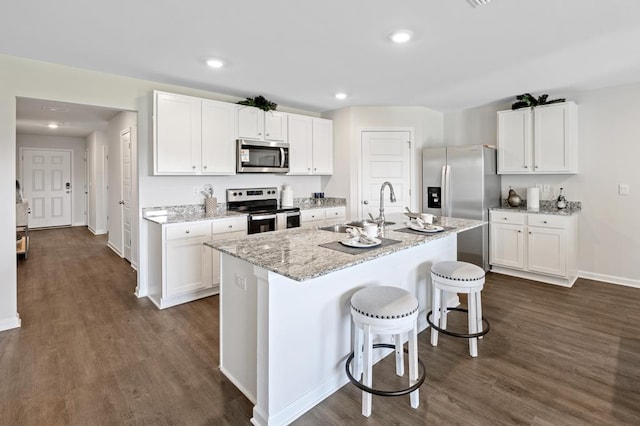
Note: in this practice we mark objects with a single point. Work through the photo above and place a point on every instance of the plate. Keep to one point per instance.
(432, 229)
(355, 242)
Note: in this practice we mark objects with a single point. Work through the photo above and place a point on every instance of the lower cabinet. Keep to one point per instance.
(327, 215)
(540, 247)
(182, 268)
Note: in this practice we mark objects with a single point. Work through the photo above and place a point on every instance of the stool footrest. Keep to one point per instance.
(380, 392)
(463, 335)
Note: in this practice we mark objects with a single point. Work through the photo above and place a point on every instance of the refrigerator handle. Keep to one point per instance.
(443, 191)
(447, 198)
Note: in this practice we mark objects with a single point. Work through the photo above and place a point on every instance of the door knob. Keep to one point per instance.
(365, 202)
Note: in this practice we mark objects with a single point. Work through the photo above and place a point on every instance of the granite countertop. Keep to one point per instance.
(296, 254)
(546, 207)
(185, 213)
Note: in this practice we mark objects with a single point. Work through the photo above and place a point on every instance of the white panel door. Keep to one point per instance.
(125, 201)
(386, 156)
(46, 177)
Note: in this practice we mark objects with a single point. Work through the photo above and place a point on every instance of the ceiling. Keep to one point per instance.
(300, 53)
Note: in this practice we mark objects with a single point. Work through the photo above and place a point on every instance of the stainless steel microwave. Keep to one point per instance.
(262, 156)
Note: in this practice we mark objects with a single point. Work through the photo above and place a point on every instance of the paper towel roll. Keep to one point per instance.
(533, 199)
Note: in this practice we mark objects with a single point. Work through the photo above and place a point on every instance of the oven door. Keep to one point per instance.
(262, 157)
(261, 223)
(286, 220)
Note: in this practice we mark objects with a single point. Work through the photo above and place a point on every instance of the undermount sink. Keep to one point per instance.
(335, 228)
(359, 223)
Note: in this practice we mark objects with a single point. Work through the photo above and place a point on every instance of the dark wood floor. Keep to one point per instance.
(89, 352)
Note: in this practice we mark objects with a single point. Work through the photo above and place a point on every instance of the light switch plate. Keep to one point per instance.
(623, 189)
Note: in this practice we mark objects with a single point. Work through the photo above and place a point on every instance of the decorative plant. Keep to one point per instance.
(259, 102)
(527, 100)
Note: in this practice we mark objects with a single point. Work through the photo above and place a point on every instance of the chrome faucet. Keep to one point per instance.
(392, 198)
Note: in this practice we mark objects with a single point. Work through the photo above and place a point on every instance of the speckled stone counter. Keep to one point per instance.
(296, 254)
(546, 207)
(185, 213)
(319, 203)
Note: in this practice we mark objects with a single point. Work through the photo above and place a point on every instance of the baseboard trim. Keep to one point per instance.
(114, 249)
(96, 232)
(627, 282)
(9, 323)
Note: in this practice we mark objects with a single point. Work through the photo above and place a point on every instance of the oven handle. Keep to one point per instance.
(263, 217)
(289, 214)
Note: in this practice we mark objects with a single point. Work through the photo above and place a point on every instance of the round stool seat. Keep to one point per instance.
(384, 302)
(388, 311)
(458, 271)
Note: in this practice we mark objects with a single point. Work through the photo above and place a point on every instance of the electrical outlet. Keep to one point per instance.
(241, 282)
(196, 190)
(546, 187)
(623, 189)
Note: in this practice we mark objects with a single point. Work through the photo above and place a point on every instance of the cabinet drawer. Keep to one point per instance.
(311, 215)
(234, 224)
(547, 221)
(507, 217)
(189, 230)
(335, 213)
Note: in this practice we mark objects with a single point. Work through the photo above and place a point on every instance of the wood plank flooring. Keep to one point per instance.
(89, 352)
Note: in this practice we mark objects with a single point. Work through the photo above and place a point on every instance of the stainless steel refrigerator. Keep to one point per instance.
(461, 181)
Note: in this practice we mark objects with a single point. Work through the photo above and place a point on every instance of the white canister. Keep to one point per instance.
(286, 196)
(533, 199)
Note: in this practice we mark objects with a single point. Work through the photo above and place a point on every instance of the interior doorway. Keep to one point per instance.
(125, 191)
(386, 156)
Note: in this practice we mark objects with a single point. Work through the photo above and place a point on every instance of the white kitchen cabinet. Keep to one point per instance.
(322, 216)
(540, 247)
(254, 123)
(541, 140)
(193, 136)
(181, 267)
(311, 146)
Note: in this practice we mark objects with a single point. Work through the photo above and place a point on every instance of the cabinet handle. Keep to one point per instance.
(230, 226)
(193, 167)
(259, 133)
(526, 167)
(536, 166)
(505, 218)
(544, 221)
(187, 231)
(314, 169)
(204, 167)
(519, 232)
(529, 232)
(266, 134)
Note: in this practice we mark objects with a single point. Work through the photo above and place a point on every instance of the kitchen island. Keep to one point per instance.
(285, 326)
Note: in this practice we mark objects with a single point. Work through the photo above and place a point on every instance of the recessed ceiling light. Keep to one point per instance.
(54, 108)
(341, 96)
(476, 3)
(400, 36)
(215, 63)
(52, 125)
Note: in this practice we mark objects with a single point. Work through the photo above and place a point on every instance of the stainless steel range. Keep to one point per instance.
(262, 206)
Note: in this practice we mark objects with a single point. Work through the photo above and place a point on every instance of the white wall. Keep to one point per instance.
(41, 80)
(609, 129)
(97, 159)
(427, 128)
(78, 147)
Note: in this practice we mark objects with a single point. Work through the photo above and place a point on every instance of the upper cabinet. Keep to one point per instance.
(311, 145)
(193, 136)
(540, 140)
(254, 123)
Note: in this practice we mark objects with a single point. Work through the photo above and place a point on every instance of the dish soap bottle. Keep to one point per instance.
(562, 201)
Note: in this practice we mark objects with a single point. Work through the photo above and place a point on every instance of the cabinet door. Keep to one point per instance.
(188, 264)
(322, 147)
(177, 134)
(218, 138)
(300, 134)
(275, 126)
(506, 245)
(547, 251)
(554, 138)
(514, 141)
(310, 216)
(250, 123)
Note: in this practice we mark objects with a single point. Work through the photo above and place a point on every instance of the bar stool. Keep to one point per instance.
(385, 311)
(457, 277)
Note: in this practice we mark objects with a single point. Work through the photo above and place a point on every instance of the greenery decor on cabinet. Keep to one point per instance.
(528, 101)
(260, 102)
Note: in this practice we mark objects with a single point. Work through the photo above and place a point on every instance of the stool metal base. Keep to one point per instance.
(380, 392)
(485, 330)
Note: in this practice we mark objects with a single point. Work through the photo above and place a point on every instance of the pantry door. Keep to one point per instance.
(46, 181)
(386, 156)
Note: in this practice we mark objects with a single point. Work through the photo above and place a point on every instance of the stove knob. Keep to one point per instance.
(240, 193)
(235, 193)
